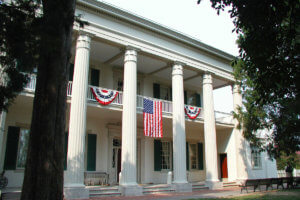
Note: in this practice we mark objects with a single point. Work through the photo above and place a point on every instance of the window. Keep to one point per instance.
(22, 150)
(166, 158)
(256, 158)
(165, 93)
(193, 156)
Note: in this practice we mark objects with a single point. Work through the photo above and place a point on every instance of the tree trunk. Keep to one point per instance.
(44, 168)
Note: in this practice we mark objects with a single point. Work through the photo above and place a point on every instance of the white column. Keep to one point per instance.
(2, 130)
(129, 135)
(240, 143)
(179, 139)
(211, 161)
(77, 125)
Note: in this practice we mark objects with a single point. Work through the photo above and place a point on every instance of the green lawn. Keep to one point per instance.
(280, 195)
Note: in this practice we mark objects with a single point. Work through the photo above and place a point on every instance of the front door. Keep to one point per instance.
(223, 162)
(119, 164)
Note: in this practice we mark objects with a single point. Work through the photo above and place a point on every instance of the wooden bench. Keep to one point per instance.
(249, 183)
(95, 178)
(267, 182)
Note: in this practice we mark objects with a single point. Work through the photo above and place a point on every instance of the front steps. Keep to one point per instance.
(230, 184)
(11, 196)
(199, 186)
(104, 191)
(155, 189)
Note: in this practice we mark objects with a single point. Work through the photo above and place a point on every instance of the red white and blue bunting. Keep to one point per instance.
(104, 97)
(192, 112)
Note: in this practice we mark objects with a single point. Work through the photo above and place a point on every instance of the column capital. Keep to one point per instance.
(177, 68)
(83, 41)
(129, 47)
(130, 54)
(236, 88)
(176, 62)
(207, 78)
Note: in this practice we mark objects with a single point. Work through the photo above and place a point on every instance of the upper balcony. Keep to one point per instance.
(220, 117)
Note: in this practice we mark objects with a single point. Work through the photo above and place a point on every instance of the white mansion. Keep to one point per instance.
(122, 52)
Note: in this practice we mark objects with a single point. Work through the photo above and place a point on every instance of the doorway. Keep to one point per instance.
(223, 165)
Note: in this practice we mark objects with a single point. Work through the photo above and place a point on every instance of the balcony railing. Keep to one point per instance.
(221, 117)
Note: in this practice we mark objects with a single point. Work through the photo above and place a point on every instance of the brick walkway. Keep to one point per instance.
(235, 191)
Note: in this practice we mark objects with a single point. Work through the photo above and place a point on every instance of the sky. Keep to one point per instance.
(199, 21)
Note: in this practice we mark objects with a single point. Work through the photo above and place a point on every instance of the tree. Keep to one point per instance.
(268, 71)
(38, 34)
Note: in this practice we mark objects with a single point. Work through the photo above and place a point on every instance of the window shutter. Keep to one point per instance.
(95, 77)
(66, 150)
(156, 90)
(157, 155)
(185, 97)
(71, 72)
(187, 156)
(200, 156)
(198, 100)
(171, 97)
(91, 152)
(11, 148)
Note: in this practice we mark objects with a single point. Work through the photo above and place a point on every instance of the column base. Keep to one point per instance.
(214, 184)
(76, 192)
(182, 187)
(131, 190)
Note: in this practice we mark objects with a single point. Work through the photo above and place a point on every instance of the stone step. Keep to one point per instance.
(159, 190)
(11, 196)
(104, 192)
(96, 195)
(163, 188)
(199, 187)
(230, 184)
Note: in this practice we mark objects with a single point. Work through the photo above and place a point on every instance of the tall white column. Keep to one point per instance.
(129, 135)
(77, 125)
(240, 143)
(2, 130)
(179, 139)
(211, 159)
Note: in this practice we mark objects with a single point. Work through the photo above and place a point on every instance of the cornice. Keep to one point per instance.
(134, 19)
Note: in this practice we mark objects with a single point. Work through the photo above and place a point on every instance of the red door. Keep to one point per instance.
(224, 170)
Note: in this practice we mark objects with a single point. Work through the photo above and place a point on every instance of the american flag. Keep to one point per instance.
(153, 118)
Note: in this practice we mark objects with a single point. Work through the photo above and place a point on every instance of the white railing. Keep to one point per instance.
(282, 173)
(30, 86)
(223, 117)
(166, 105)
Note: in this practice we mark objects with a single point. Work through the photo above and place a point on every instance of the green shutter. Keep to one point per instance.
(198, 100)
(91, 152)
(66, 150)
(156, 90)
(185, 97)
(200, 156)
(71, 72)
(157, 155)
(11, 152)
(171, 97)
(187, 156)
(95, 77)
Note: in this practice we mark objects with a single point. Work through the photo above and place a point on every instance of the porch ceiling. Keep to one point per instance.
(112, 54)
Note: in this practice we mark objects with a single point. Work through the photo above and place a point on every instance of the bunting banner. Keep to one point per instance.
(192, 112)
(104, 97)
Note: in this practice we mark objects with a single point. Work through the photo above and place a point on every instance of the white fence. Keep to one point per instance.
(282, 173)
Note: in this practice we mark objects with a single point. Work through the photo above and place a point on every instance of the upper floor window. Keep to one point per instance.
(162, 92)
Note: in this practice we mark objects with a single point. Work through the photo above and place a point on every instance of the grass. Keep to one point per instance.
(275, 195)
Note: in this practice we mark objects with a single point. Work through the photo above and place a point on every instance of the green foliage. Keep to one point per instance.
(283, 160)
(19, 40)
(268, 70)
